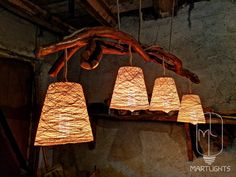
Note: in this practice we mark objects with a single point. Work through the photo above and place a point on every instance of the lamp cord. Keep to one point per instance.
(171, 24)
(140, 20)
(170, 38)
(163, 65)
(118, 13)
(65, 66)
(189, 86)
(130, 56)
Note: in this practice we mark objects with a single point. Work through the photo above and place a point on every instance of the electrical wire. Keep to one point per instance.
(140, 20)
(189, 86)
(171, 24)
(163, 65)
(130, 56)
(118, 13)
(65, 66)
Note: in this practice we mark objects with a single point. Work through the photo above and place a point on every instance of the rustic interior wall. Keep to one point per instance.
(21, 37)
(207, 48)
(145, 149)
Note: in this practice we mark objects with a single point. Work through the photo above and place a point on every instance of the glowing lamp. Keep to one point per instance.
(64, 118)
(130, 90)
(164, 96)
(191, 110)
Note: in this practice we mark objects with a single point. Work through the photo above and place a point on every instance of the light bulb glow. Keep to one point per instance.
(191, 110)
(130, 90)
(164, 96)
(64, 117)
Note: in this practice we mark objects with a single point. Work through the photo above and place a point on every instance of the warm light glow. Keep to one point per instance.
(130, 91)
(164, 96)
(191, 110)
(64, 118)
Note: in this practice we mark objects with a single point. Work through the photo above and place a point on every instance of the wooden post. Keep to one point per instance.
(188, 142)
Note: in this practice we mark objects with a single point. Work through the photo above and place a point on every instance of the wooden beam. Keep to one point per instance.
(33, 13)
(163, 8)
(159, 117)
(99, 10)
(12, 141)
(188, 142)
(7, 53)
(127, 6)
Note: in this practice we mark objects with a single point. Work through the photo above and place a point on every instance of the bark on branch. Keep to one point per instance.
(107, 40)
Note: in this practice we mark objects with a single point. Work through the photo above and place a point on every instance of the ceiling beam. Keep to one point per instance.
(127, 6)
(33, 13)
(163, 8)
(99, 10)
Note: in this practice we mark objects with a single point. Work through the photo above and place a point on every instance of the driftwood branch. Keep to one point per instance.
(106, 40)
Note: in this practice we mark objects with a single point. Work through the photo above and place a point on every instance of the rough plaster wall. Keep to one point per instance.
(144, 149)
(19, 36)
(208, 49)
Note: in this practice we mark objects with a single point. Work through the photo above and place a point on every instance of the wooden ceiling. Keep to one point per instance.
(65, 16)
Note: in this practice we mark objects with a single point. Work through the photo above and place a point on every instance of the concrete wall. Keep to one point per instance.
(144, 149)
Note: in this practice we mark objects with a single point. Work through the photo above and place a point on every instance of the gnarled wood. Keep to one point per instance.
(107, 40)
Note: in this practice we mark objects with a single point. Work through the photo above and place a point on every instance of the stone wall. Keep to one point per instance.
(147, 149)
(207, 49)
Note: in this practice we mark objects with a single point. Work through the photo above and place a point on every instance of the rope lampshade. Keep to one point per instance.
(191, 110)
(164, 96)
(130, 90)
(64, 118)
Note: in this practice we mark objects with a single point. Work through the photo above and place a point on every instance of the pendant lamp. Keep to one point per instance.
(191, 110)
(164, 96)
(64, 118)
(130, 90)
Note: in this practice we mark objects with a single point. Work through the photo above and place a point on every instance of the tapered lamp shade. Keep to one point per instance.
(164, 96)
(64, 118)
(130, 90)
(191, 110)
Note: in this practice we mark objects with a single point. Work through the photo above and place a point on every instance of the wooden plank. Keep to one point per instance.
(130, 5)
(12, 142)
(188, 142)
(99, 10)
(158, 117)
(163, 8)
(33, 13)
(7, 53)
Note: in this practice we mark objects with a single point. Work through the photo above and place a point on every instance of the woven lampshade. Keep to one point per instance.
(130, 90)
(191, 110)
(64, 118)
(164, 96)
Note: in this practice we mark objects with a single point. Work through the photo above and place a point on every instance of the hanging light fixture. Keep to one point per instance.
(191, 110)
(130, 91)
(164, 96)
(64, 118)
